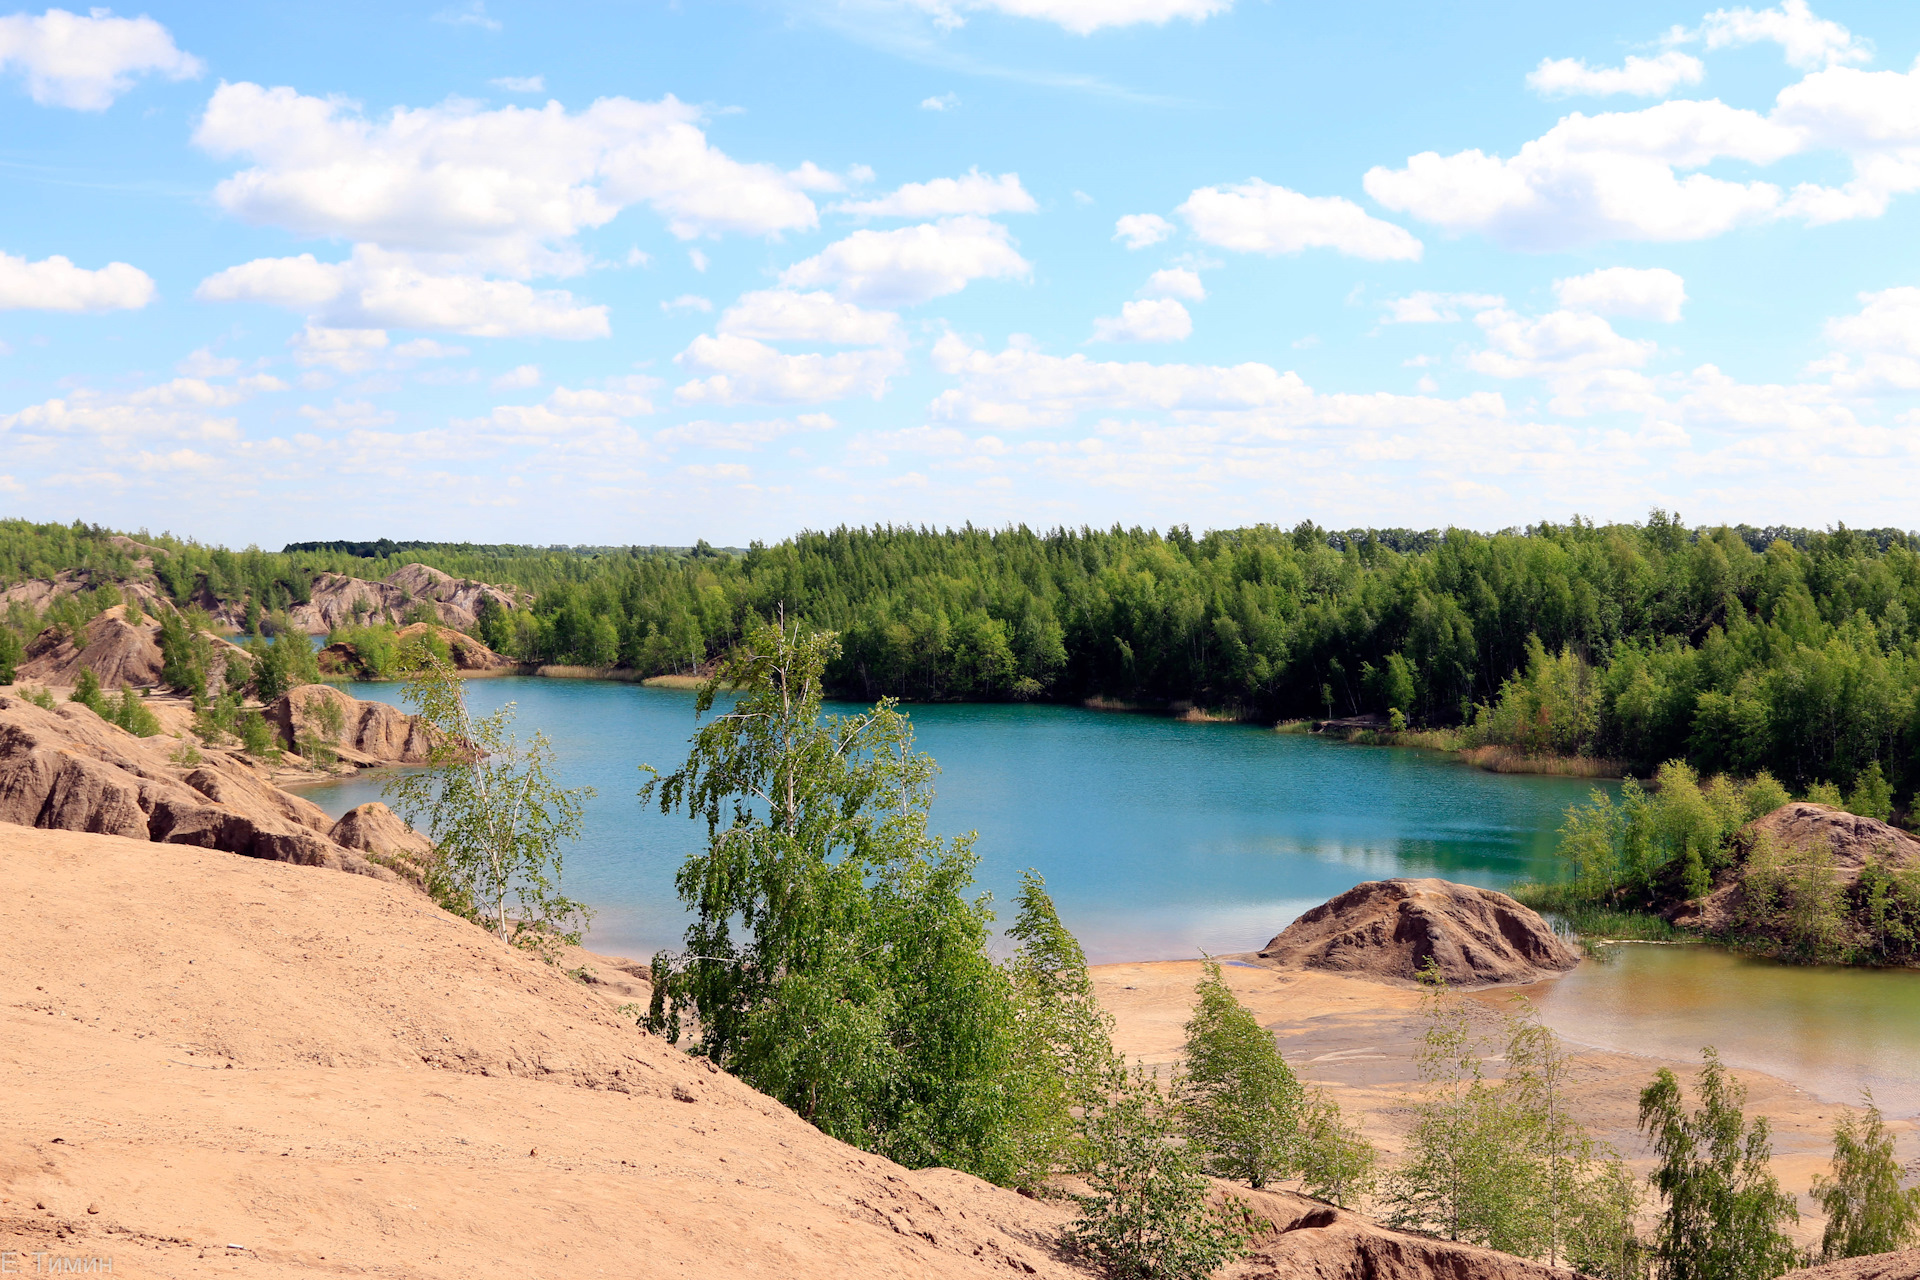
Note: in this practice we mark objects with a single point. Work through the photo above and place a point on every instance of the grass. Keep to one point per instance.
(1508, 760)
(1597, 921)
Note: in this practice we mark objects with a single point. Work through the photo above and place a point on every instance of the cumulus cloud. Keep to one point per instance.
(1805, 39)
(526, 375)
(55, 284)
(375, 289)
(972, 192)
(1611, 176)
(1082, 17)
(1879, 345)
(686, 302)
(780, 315)
(912, 264)
(1149, 320)
(742, 370)
(1258, 217)
(520, 84)
(1553, 345)
(1650, 294)
(503, 189)
(87, 62)
(740, 437)
(344, 350)
(1654, 77)
(1437, 308)
(1175, 282)
(940, 102)
(571, 411)
(180, 410)
(1141, 230)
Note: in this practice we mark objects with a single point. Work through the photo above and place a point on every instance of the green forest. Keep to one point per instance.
(1737, 649)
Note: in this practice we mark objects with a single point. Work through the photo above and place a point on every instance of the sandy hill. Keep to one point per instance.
(223, 1064)
(336, 600)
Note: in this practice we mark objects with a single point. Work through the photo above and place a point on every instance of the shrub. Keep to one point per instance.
(1867, 1210)
(257, 737)
(87, 692)
(1239, 1101)
(1724, 1208)
(133, 715)
(11, 652)
(1148, 1217)
(41, 697)
(1334, 1160)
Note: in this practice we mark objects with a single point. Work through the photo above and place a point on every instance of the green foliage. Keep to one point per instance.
(41, 697)
(1724, 1211)
(185, 755)
(11, 653)
(1795, 902)
(286, 662)
(133, 715)
(1504, 1164)
(218, 720)
(498, 819)
(185, 653)
(1333, 1158)
(834, 960)
(1239, 1101)
(1148, 1216)
(1063, 1063)
(376, 647)
(87, 692)
(1867, 1210)
(1872, 794)
(257, 736)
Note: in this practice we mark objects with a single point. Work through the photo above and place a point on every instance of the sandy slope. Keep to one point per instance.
(1356, 1038)
(323, 1070)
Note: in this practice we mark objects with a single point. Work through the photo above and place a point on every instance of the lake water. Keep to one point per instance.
(1159, 839)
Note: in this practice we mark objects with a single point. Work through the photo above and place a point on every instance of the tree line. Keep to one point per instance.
(1736, 649)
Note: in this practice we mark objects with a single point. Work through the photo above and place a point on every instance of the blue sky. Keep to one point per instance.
(650, 272)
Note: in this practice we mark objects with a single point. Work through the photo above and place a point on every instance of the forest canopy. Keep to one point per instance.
(1736, 648)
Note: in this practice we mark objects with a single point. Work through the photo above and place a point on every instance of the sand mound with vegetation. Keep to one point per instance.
(1392, 928)
(1904, 1265)
(1851, 840)
(213, 1062)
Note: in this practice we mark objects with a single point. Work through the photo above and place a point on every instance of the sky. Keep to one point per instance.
(641, 272)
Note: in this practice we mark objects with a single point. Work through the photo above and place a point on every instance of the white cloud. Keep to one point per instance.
(1437, 308)
(697, 259)
(1610, 176)
(520, 84)
(427, 349)
(1885, 335)
(940, 102)
(1175, 282)
(347, 350)
(1806, 40)
(1141, 230)
(1650, 294)
(204, 364)
(780, 315)
(183, 409)
(374, 289)
(1654, 77)
(87, 62)
(912, 264)
(1553, 345)
(471, 14)
(740, 437)
(972, 192)
(687, 302)
(1149, 320)
(1082, 17)
(347, 415)
(526, 375)
(1257, 217)
(505, 189)
(742, 371)
(55, 284)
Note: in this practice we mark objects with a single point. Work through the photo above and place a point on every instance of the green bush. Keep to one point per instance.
(11, 652)
(133, 715)
(257, 736)
(1148, 1216)
(1867, 1210)
(1239, 1102)
(87, 692)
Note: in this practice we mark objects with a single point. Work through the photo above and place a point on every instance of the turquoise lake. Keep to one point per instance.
(1159, 839)
(1162, 839)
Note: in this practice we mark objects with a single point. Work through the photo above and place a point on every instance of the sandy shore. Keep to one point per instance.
(1355, 1038)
